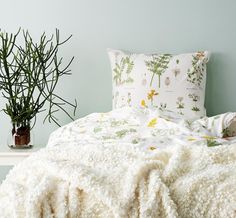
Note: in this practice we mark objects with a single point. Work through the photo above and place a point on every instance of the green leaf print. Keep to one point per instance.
(122, 133)
(125, 66)
(212, 143)
(195, 98)
(116, 123)
(196, 109)
(157, 66)
(135, 141)
(195, 74)
(180, 104)
(97, 129)
(226, 132)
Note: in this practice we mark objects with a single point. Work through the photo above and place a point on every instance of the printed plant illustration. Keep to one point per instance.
(167, 81)
(226, 132)
(195, 74)
(97, 129)
(163, 106)
(230, 130)
(151, 95)
(180, 104)
(176, 70)
(129, 99)
(122, 133)
(144, 80)
(152, 123)
(125, 66)
(157, 66)
(143, 103)
(212, 143)
(195, 99)
(116, 123)
(122, 101)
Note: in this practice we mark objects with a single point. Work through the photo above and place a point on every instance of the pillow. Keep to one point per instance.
(164, 81)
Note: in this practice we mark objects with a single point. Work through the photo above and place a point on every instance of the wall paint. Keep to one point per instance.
(136, 25)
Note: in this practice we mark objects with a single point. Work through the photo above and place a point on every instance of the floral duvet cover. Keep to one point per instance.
(128, 163)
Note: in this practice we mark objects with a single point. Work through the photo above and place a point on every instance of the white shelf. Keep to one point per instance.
(10, 156)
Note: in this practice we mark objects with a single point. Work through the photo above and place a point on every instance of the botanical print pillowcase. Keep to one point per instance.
(164, 81)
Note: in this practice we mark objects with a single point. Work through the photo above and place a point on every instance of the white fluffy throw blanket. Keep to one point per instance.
(120, 179)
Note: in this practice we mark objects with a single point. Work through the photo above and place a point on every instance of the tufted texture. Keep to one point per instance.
(121, 179)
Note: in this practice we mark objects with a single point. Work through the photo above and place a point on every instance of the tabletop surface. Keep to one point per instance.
(5, 150)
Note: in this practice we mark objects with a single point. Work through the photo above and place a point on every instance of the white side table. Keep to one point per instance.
(9, 157)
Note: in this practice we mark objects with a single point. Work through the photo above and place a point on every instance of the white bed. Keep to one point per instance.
(128, 163)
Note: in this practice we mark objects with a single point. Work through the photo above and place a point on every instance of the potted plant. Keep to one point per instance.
(29, 74)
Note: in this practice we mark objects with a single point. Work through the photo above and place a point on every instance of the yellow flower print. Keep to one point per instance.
(143, 103)
(152, 123)
(191, 139)
(200, 54)
(152, 148)
(207, 137)
(151, 94)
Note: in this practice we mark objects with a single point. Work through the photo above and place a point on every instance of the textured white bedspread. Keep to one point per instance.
(127, 163)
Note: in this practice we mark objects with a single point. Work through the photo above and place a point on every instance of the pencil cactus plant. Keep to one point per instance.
(29, 74)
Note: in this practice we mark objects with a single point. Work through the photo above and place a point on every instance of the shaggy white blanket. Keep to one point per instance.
(122, 180)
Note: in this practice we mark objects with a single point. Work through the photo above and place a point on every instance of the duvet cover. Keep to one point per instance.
(128, 163)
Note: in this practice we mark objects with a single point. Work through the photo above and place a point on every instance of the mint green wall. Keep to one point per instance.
(136, 25)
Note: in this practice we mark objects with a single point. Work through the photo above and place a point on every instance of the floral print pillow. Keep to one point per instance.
(163, 81)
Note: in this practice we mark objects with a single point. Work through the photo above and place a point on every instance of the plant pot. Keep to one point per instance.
(20, 135)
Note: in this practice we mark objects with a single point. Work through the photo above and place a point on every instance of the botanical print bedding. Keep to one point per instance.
(128, 163)
(164, 81)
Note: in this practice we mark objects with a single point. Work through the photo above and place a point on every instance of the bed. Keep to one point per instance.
(129, 162)
(156, 154)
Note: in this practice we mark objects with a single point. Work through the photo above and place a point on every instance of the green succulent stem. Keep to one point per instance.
(29, 74)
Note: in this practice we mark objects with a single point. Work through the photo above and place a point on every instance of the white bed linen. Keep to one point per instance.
(128, 163)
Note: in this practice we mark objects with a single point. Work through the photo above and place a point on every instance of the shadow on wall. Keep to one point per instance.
(220, 85)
